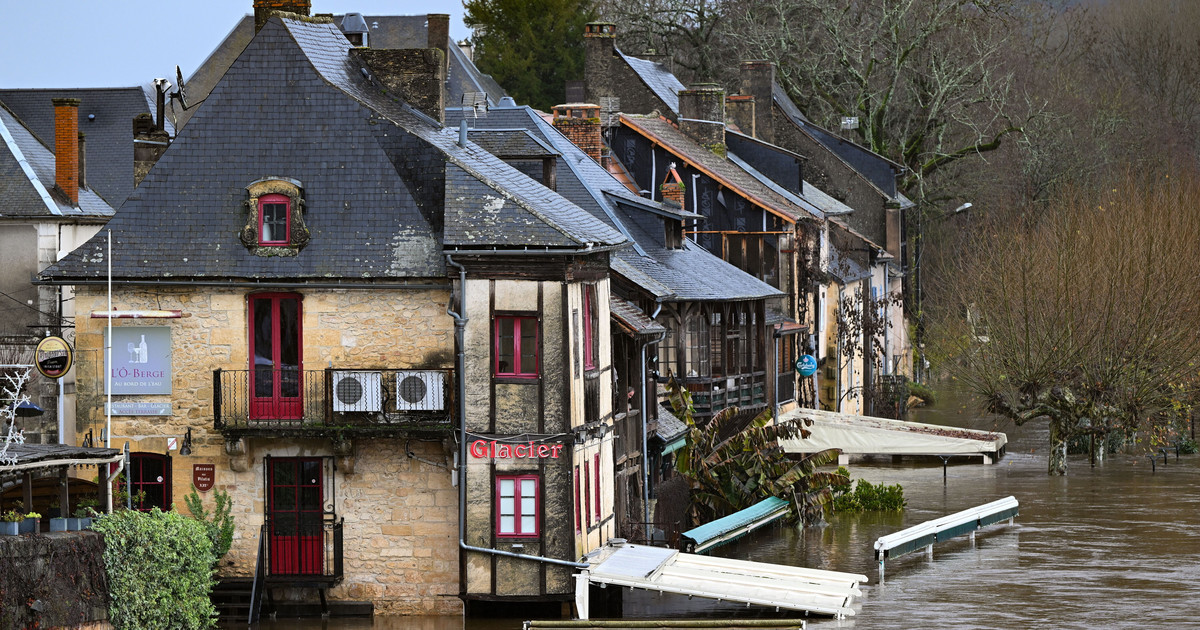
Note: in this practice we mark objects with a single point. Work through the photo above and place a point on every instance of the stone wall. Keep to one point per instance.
(55, 580)
(399, 507)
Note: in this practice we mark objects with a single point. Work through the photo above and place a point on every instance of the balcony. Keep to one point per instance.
(318, 403)
(710, 395)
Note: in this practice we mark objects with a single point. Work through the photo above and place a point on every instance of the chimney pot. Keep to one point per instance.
(66, 147)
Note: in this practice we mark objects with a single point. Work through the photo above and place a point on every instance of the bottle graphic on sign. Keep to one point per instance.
(143, 356)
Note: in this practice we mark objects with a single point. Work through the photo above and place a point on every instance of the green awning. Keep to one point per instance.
(675, 445)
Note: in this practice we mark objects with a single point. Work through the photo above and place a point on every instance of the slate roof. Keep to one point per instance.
(510, 143)
(687, 274)
(670, 427)
(875, 168)
(386, 31)
(661, 81)
(27, 179)
(732, 176)
(105, 116)
(632, 318)
(376, 173)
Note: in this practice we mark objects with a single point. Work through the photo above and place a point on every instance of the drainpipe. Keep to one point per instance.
(460, 325)
(646, 414)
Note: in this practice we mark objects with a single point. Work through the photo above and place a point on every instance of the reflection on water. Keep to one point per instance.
(1107, 547)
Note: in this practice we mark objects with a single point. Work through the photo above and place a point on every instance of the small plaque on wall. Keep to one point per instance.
(204, 476)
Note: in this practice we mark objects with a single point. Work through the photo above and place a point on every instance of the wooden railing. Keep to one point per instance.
(711, 395)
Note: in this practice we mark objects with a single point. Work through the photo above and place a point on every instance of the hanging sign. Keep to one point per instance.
(806, 365)
(203, 476)
(141, 360)
(53, 357)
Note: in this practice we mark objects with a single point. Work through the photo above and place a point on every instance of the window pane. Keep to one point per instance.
(528, 487)
(283, 499)
(289, 347)
(274, 222)
(528, 504)
(310, 499)
(507, 488)
(507, 524)
(284, 473)
(528, 525)
(528, 346)
(507, 505)
(264, 337)
(312, 473)
(505, 344)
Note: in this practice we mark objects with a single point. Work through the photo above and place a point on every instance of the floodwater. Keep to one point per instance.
(1115, 546)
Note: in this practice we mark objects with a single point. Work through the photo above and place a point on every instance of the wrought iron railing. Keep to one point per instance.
(275, 398)
(303, 546)
(711, 395)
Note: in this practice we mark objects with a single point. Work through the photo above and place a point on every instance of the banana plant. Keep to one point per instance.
(731, 464)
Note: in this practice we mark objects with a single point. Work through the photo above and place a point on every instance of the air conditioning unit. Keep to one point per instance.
(357, 391)
(420, 390)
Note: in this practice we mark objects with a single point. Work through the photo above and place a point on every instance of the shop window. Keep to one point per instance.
(150, 477)
(516, 346)
(518, 506)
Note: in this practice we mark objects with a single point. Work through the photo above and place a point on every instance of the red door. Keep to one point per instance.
(296, 513)
(276, 379)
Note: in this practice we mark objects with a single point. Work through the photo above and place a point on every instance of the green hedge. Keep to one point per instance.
(867, 497)
(159, 567)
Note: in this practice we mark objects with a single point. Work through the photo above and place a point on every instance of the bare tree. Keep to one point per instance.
(1083, 314)
(687, 31)
(923, 77)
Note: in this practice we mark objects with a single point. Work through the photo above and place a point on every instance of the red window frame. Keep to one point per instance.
(518, 323)
(578, 509)
(155, 488)
(275, 199)
(596, 494)
(589, 316)
(518, 505)
(285, 399)
(587, 498)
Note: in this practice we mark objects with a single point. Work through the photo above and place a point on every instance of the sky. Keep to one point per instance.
(119, 43)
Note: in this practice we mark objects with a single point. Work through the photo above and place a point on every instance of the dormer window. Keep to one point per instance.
(273, 221)
(275, 218)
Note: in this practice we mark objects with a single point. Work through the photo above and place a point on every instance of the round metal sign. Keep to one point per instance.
(806, 365)
(53, 357)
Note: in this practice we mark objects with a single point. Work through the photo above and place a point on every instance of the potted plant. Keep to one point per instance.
(10, 522)
(85, 511)
(31, 523)
(58, 524)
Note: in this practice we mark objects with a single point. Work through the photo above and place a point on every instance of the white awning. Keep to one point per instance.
(759, 583)
(866, 435)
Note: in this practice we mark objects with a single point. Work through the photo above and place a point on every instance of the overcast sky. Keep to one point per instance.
(117, 43)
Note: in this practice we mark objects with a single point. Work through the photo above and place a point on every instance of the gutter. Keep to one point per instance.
(460, 325)
(646, 414)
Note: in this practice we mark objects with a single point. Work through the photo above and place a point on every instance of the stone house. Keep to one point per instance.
(723, 140)
(657, 284)
(382, 340)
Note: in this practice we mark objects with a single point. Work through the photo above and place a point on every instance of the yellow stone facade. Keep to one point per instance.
(399, 507)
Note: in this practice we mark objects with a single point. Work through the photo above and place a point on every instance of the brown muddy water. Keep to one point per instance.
(1115, 546)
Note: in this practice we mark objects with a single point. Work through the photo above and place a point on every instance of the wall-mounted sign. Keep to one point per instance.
(501, 450)
(53, 357)
(139, 409)
(204, 476)
(141, 360)
(806, 365)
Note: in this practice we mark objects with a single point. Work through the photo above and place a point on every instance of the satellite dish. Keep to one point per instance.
(180, 94)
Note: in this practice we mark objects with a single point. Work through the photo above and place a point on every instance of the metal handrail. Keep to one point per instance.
(256, 586)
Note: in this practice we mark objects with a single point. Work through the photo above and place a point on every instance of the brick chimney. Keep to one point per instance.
(149, 143)
(580, 123)
(66, 147)
(599, 44)
(702, 115)
(758, 80)
(415, 75)
(672, 188)
(739, 111)
(264, 8)
(437, 35)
